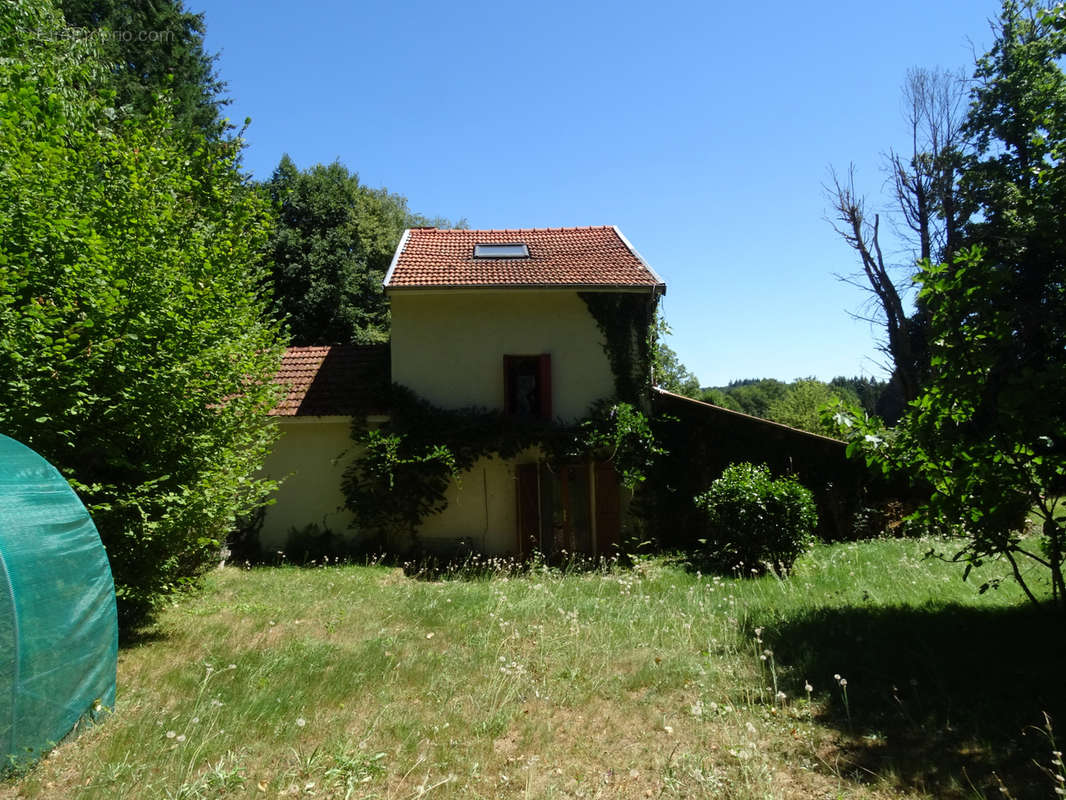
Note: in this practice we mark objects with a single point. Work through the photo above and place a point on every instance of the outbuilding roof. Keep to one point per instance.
(580, 258)
(339, 380)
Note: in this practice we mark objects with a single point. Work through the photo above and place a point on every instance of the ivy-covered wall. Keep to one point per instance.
(626, 321)
(405, 468)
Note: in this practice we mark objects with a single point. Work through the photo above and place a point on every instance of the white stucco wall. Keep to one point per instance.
(309, 458)
(448, 346)
(482, 507)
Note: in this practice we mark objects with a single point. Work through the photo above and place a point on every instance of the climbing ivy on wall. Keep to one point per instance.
(405, 466)
(627, 323)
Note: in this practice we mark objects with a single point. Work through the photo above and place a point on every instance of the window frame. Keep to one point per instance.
(479, 254)
(544, 384)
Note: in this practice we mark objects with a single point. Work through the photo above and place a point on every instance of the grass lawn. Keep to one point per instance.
(353, 682)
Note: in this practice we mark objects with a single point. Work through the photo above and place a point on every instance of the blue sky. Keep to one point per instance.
(703, 130)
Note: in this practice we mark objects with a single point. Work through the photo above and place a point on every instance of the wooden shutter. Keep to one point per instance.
(608, 509)
(544, 385)
(528, 509)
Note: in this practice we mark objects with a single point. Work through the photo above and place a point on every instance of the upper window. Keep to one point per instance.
(527, 386)
(508, 250)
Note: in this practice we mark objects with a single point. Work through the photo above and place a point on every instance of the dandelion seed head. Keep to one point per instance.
(300, 722)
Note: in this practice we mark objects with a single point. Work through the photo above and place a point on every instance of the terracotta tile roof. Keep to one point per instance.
(558, 257)
(341, 380)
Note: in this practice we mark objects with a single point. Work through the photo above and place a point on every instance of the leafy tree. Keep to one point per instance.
(672, 375)
(751, 396)
(870, 393)
(154, 47)
(667, 370)
(717, 397)
(1000, 314)
(988, 431)
(990, 452)
(800, 406)
(799, 403)
(329, 253)
(1014, 178)
(136, 351)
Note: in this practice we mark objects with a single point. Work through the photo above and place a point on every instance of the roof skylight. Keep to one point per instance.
(504, 250)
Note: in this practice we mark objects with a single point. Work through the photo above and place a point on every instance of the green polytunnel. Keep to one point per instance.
(58, 624)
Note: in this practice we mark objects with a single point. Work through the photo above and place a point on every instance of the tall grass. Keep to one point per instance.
(350, 682)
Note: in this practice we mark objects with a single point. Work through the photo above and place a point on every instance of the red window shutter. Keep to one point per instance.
(544, 384)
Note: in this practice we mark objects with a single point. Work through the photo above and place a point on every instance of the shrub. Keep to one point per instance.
(136, 351)
(756, 521)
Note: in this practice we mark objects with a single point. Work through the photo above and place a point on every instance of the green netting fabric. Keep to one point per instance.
(58, 626)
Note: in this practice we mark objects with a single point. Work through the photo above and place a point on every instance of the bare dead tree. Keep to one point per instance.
(863, 236)
(925, 198)
(924, 183)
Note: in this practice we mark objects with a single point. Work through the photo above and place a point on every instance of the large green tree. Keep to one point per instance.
(1000, 314)
(154, 47)
(872, 394)
(801, 405)
(751, 395)
(987, 433)
(331, 248)
(667, 370)
(136, 347)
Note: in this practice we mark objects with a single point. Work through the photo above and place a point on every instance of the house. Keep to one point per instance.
(534, 323)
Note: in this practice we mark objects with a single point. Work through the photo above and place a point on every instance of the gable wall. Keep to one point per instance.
(309, 459)
(448, 346)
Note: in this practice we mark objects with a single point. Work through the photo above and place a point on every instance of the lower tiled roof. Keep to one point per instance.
(338, 380)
